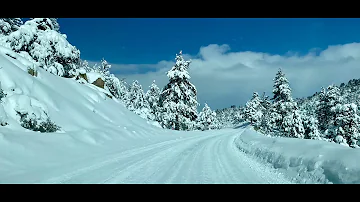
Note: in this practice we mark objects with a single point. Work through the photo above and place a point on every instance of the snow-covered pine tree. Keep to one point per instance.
(265, 125)
(311, 128)
(136, 100)
(220, 117)
(178, 98)
(230, 117)
(237, 115)
(152, 96)
(123, 90)
(207, 119)
(285, 116)
(84, 64)
(113, 85)
(328, 99)
(254, 110)
(234, 117)
(104, 68)
(56, 26)
(346, 125)
(117, 87)
(8, 25)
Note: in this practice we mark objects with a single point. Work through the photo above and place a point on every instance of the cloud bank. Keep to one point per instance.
(224, 78)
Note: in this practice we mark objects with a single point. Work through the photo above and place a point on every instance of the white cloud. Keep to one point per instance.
(224, 78)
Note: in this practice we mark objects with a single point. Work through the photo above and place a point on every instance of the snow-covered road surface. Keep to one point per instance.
(195, 159)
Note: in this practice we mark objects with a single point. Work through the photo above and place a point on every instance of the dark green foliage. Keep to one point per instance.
(32, 123)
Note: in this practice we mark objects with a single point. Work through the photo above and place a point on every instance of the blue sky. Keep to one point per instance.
(147, 41)
(232, 58)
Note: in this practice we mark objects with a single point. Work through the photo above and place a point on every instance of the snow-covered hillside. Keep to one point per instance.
(83, 111)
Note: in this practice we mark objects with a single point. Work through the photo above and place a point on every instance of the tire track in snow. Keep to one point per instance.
(197, 159)
(143, 170)
(118, 156)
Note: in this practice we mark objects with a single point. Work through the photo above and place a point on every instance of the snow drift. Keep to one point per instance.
(306, 161)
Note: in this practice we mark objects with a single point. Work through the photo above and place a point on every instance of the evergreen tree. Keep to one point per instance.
(178, 98)
(254, 109)
(346, 125)
(285, 115)
(136, 100)
(115, 86)
(311, 128)
(123, 90)
(84, 64)
(152, 96)
(207, 119)
(328, 99)
(118, 88)
(104, 68)
(9, 25)
(265, 125)
(56, 26)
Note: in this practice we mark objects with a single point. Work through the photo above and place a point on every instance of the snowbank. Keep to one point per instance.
(307, 161)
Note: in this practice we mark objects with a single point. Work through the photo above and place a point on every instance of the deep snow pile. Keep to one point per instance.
(307, 161)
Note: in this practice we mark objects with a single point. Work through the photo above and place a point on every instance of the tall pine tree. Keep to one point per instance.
(328, 99)
(285, 117)
(265, 125)
(136, 97)
(253, 110)
(178, 98)
(152, 96)
(346, 125)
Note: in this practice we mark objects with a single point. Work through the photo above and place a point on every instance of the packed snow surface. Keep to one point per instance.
(101, 141)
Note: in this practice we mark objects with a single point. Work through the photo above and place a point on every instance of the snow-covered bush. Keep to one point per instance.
(31, 122)
(32, 70)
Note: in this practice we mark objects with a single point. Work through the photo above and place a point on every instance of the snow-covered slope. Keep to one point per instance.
(87, 117)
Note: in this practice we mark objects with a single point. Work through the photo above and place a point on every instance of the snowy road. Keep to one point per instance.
(196, 159)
